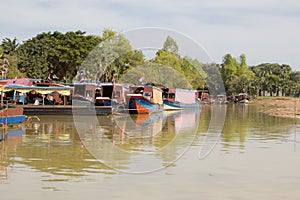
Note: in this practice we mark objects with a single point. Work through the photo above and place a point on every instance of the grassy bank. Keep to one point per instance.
(279, 106)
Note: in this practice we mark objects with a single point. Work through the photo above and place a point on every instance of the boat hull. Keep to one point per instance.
(245, 101)
(12, 115)
(140, 105)
(12, 119)
(168, 105)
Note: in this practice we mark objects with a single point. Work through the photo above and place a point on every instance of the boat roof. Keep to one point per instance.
(17, 86)
(20, 81)
(65, 90)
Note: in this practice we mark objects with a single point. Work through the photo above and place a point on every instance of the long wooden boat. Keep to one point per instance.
(49, 99)
(65, 109)
(100, 94)
(144, 99)
(9, 114)
(177, 99)
(12, 115)
(102, 97)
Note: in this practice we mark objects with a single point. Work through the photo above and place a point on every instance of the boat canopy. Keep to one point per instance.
(65, 90)
(185, 96)
(157, 95)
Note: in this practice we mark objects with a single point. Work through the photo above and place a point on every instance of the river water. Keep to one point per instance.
(221, 152)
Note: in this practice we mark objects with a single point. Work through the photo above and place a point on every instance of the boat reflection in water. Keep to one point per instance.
(141, 143)
(52, 146)
(9, 139)
(131, 143)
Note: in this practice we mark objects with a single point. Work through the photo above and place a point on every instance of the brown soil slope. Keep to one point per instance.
(281, 107)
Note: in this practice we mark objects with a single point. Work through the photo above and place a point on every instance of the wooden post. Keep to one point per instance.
(1, 98)
(65, 100)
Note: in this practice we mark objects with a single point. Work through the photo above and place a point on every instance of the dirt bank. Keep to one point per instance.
(279, 106)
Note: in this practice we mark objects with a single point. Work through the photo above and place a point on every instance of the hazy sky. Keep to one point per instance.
(264, 30)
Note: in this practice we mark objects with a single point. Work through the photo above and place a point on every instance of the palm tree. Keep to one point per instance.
(9, 45)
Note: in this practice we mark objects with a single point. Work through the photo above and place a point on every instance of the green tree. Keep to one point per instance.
(126, 62)
(56, 53)
(169, 59)
(156, 74)
(293, 86)
(111, 57)
(9, 46)
(189, 68)
(192, 70)
(71, 50)
(33, 56)
(171, 46)
(228, 72)
(213, 79)
(8, 65)
(272, 78)
(236, 75)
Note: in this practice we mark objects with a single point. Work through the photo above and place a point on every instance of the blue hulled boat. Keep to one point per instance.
(12, 115)
(177, 99)
(144, 100)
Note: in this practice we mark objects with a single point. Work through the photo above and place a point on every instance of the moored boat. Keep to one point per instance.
(177, 99)
(12, 115)
(100, 94)
(221, 99)
(243, 98)
(144, 99)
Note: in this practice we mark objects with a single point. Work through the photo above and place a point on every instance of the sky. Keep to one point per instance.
(263, 30)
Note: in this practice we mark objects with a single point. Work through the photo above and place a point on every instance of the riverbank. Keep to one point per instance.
(279, 106)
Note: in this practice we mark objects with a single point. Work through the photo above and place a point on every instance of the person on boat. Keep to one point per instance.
(82, 79)
(65, 80)
(49, 79)
(113, 80)
(142, 79)
(15, 80)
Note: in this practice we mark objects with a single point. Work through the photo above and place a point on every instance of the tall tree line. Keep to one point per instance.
(266, 79)
(76, 55)
(275, 80)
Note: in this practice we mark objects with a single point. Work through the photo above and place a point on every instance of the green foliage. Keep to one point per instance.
(9, 46)
(75, 55)
(171, 46)
(193, 72)
(168, 59)
(8, 65)
(58, 53)
(236, 75)
(13, 70)
(71, 50)
(157, 74)
(112, 57)
(126, 62)
(275, 79)
(33, 56)
(190, 69)
(213, 79)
